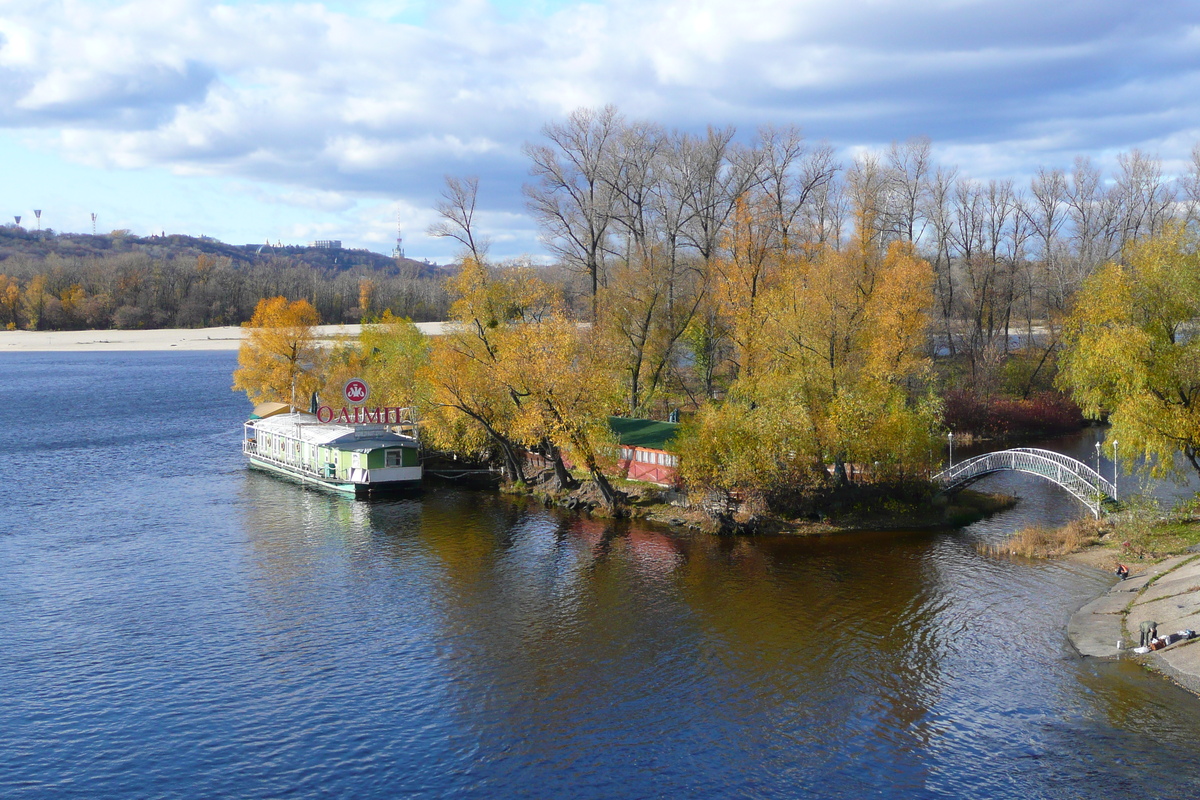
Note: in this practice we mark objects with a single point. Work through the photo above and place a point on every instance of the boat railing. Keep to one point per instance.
(250, 447)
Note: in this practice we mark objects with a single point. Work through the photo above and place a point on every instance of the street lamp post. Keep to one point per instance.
(950, 436)
(1115, 443)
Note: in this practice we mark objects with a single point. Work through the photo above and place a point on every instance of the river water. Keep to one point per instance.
(174, 625)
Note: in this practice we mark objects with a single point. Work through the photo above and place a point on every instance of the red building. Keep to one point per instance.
(646, 452)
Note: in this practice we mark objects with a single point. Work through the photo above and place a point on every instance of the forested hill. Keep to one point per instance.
(51, 281)
(39, 245)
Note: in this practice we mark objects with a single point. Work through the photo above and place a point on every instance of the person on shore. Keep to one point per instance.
(1149, 631)
(1122, 571)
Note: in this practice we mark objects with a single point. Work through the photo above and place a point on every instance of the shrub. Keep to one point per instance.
(1045, 413)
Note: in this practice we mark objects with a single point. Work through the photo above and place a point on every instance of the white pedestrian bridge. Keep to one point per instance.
(1083, 482)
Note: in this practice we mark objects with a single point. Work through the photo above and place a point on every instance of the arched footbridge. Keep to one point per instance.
(1088, 486)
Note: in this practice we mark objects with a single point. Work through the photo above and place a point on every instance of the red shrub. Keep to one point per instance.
(1047, 413)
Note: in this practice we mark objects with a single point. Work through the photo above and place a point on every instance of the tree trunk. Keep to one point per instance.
(607, 494)
(565, 480)
(512, 462)
(840, 478)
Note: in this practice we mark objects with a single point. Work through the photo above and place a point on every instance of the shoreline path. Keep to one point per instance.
(1167, 592)
(226, 338)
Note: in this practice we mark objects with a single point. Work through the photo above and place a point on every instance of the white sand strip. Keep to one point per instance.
(227, 338)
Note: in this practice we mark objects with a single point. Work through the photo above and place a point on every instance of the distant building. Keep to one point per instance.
(327, 244)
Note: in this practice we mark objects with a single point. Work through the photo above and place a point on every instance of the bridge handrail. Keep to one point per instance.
(1075, 465)
(1087, 485)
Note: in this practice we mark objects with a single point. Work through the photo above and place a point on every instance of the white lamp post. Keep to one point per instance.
(1115, 443)
(950, 436)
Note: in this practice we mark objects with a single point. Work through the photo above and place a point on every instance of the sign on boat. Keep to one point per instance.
(354, 451)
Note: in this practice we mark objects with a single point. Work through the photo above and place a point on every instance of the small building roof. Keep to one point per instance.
(648, 433)
(264, 410)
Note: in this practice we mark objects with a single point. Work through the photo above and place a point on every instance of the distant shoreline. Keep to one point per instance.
(165, 339)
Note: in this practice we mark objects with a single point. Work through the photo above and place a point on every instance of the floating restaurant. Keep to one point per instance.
(355, 458)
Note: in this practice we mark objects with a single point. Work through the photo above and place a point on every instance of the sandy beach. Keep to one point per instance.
(227, 338)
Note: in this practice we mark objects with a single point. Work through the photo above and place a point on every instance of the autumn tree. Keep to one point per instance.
(1131, 350)
(568, 389)
(465, 376)
(840, 383)
(10, 302)
(394, 352)
(281, 358)
(640, 327)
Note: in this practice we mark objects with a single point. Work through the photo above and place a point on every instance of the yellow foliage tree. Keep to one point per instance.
(1131, 349)
(568, 389)
(10, 302)
(642, 313)
(464, 373)
(395, 351)
(280, 359)
(743, 276)
(839, 361)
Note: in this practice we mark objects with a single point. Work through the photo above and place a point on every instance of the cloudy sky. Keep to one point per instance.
(275, 120)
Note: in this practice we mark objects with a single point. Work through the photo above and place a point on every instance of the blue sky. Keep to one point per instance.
(250, 121)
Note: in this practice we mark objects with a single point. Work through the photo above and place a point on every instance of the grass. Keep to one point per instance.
(1038, 541)
(1156, 538)
(1141, 531)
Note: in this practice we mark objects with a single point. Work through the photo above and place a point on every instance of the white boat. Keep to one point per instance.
(359, 460)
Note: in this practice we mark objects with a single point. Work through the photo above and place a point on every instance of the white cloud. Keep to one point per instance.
(346, 99)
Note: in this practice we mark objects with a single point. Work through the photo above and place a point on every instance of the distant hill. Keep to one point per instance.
(37, 246)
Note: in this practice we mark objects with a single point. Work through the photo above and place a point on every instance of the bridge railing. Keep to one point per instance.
(1087, 485)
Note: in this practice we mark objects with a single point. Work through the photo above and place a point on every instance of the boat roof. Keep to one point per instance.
(305, 427)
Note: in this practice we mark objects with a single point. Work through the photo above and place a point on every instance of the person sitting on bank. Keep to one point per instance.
(1122, 571)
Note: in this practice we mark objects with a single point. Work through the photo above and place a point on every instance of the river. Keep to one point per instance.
(175, 625)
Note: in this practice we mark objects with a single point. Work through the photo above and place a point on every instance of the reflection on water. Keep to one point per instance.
(216, 632)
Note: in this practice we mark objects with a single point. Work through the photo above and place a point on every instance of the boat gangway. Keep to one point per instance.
(1083, 482)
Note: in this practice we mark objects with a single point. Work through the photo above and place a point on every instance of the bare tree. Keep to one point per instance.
(1189, 188)
(866, 187)
(908, 183)
(1047, 213)
(457, 212)
(572, 200)
(938, 201)
(1145, 201)
(792, 174)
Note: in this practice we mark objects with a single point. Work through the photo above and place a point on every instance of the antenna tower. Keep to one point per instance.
(399, 251)
(93, 223)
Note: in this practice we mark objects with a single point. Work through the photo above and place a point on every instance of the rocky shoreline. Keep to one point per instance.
(670, 508)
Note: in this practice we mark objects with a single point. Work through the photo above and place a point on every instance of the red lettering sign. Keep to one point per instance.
(380, 415)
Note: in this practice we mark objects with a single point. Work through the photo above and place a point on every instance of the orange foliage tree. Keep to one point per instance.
(281, 358)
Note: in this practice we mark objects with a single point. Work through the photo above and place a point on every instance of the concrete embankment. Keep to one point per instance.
(1167, 593)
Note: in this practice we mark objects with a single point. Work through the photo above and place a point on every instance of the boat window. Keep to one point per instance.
(393, 458)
